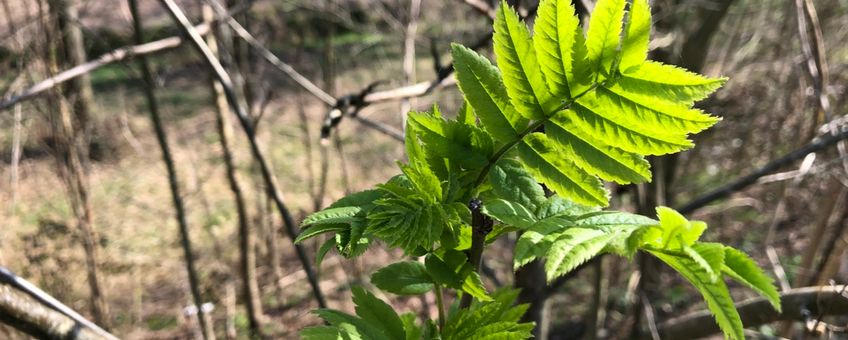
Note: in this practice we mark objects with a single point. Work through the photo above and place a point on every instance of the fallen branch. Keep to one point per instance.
(34, 312)
(816, 145)
(119, 54)
(801, 304)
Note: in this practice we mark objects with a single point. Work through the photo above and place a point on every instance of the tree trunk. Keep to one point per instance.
(173, 180)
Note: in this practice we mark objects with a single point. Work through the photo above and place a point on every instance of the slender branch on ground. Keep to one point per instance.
(798, 305)
(267, 174)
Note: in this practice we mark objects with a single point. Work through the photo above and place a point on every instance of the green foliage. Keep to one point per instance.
(496, 319)
(563, 109)
(374, 319)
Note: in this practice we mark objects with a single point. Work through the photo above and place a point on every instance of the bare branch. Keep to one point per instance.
(798, 305)
(119, 54)
(816, 145)
(267, 175)
(483, 7)
(31, 310)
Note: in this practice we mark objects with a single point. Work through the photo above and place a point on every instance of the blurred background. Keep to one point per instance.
(87, 202)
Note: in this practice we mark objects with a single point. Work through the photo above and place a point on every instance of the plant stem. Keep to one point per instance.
(441, 306)
(481, 225)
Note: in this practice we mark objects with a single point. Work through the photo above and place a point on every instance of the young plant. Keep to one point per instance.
(563, 109)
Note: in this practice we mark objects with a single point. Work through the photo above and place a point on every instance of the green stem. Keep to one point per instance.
(441, 305)
(504, 149)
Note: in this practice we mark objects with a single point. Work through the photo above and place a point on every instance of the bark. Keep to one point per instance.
(247, 241)
(71, 131)
(173, 180)
(28, 315)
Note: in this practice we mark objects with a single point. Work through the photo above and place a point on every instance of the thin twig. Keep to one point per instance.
(116, 55)
(747, 180)
(265, 168)
(173, 180)
(18, 283)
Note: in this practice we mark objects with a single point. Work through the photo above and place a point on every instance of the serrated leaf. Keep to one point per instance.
(556, 205)
(650, 114)
(354, 326)
(517, 61)
(511, 213)
(376, 312)
(554, 34)
(322, 251)
(320, 333)
(482, 85)
(333, 216)
(634, 46)
(674, 230)
(358, 199)
(320, 229)
(413, 331)
(473, 285)
(715, 293)
(597, 158)
(544, 161)
(513, 183)
(604, 36)
(403, 278)
(603, 116)
(612, 219)
(468, 323)
(533, 243)
(425, 182)
(441, 273)
(574, 247)
(741, 268)
(668, 83)
(448, 139)
(465, 114)
(710, 256)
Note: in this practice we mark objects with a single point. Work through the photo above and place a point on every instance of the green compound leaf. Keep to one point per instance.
(403, 278)
(596, 157)
(544, 160)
